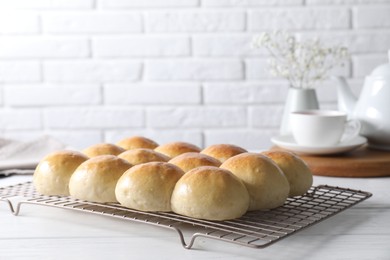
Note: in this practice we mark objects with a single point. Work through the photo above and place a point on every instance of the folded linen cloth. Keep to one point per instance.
(17, 155)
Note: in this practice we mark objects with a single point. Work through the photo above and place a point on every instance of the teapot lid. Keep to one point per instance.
(382, 70)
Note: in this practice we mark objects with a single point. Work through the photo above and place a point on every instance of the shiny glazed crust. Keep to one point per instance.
(148, 186)
(222, 152)
(102, 149)
(211, 193)
(267, 185)
(188, 161)
(143, 155)
(52, 174)
(176, 148)
(96, 178)
(297, 172)
(135, 142)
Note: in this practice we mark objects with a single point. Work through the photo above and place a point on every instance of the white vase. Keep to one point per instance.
(297, 99)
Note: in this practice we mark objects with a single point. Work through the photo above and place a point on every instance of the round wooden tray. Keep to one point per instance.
(362, 162)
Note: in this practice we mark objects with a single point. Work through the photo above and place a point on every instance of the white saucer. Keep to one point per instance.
(288, 142)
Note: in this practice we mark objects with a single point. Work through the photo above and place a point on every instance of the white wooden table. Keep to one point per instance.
(361, 232)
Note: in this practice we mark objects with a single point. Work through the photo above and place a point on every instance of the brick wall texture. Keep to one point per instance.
(89, 71)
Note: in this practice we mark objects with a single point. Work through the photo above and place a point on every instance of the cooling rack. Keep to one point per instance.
(256, 229)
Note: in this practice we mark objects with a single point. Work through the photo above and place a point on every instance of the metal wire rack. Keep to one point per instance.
(256, 229)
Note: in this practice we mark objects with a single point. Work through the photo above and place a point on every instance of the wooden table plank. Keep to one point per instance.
(363, 162)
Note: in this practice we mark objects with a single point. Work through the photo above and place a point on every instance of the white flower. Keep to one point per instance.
(303, 63)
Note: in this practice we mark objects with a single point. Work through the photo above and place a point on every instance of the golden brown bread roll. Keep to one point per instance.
(148, 186)
(142, 155)
(297, 172)
(95, 179)
(211, 193)
(102, 149)
(188, 161)
(222, 152)
(266, 183)
(176, 148)
(52, 174)
(135, 142)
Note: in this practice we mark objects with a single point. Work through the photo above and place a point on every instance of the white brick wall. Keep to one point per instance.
(20, 119)
(94, 117)
(193, 69)
(294, 18)
(141, 46)
(91, 70)
(152, 94)
(20, 71)
(195, 117)
(87, 22)
(87, 71)
(364, 17)
(18, 22)
(23, 95)
(201, 20)
(44, 47)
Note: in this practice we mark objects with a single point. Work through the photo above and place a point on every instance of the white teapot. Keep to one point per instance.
(372, 108)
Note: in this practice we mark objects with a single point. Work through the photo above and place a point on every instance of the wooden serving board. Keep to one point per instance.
(362, 162)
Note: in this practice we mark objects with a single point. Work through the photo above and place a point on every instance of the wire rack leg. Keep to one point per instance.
(14, 211)
(182, 239)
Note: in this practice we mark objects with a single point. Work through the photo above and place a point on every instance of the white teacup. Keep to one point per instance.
(321, 128)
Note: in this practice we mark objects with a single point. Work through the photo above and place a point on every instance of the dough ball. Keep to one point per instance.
(188, 161)
(148, 186)
(52, 174)
(297, 172)
(95, 179)
(210, 193)
(135, 142)
(222, 152)
(142, 155)
(102, 149)
(266, 183)
(176, 148)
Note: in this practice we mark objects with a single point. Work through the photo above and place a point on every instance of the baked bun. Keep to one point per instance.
(148, 186)
(176, 148)
(102, 149)
(96, 178)
(267, 185)
(137, 142)
(52, 174)
(210, 193)
(297, 172)
(142, 155)
(188, 161)
(222, 152)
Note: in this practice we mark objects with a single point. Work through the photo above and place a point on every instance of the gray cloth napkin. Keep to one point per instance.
(20, 156)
